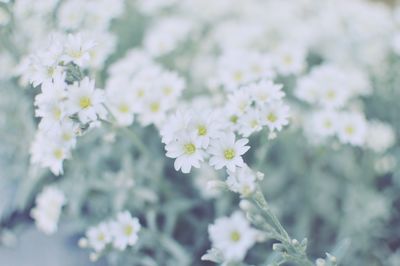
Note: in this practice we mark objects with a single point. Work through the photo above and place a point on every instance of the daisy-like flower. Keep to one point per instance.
(121, 105)
(307, 89)
(265, 91)
(77, 50)
(352, 128)
(249, 123)
(243, 180)
(233, 236)
(187, 151)
(289, 59)
(275, 116)
(66, 133)
(204, 125)
(48, 209)
(125, 230)
(226, 151)
(380, 136)
(86, 101)
(240, 100)
(99, 237)
(324, 123)
(49, 153)
(176, 123)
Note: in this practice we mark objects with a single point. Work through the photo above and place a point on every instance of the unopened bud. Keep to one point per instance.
(83, 243)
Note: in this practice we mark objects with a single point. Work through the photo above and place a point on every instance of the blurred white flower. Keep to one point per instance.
(124, 230)
(352, 128)
(77, 50)
(48, 207)
(380, 136)
(233, 236)
(99, 236)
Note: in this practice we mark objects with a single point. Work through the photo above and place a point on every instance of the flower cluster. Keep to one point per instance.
(331, 90)
(120, 233)
(48, 209)
(206, 79)
(66, 104)
(139, 86)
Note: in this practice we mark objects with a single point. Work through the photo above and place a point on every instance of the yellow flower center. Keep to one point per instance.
(101, 237)
(234, 119)
(238, 76)
(168, 90)
(201, 130)
(287, 59)
(128, 230)
(229, 154)
(272, 117)
(66, 136)
(154, 107)
(246, 190)
(85, 102)
(254, 123)
(235, 236)
(349, 130)
(331, 94)
(189, 148)
(76, 54)
(328, 124)
(123, 108)
(58, 154)
(140, 93)
(57, 113)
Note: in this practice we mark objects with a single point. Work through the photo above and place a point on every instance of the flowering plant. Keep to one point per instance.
(148, 125)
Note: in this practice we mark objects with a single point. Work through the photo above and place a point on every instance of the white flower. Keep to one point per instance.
(352, 128)
(380, 136)
(324, 123)
(48, 209)
(77, 50)
(249, 123)
(176, 123)
(166, 35)
(289, 59)
(204, 125)
(240, 100)
(242, 181)
(275, 116)
(225, 151)
(265, 91)
(125, 230)
(122, 106)
(233, 236)
(49, 153)
(99, 236)
(307, 89)
(86, 101)
(186, 148)
(66, 133)
(239, 67)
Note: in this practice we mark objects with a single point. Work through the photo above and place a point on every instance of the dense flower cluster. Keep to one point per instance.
(120, 233)
(139, 86)
(215, 84)
(64, 109)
